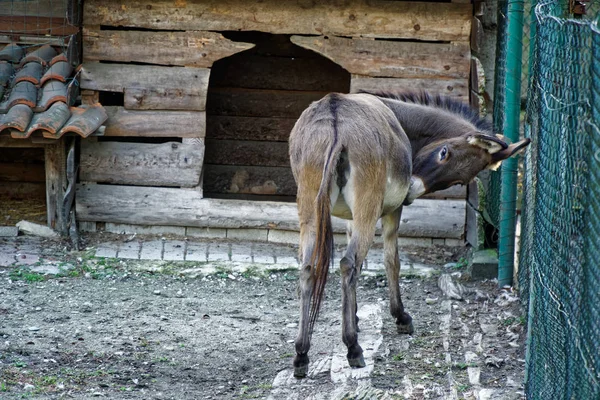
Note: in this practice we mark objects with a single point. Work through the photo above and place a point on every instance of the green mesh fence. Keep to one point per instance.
(559, 268)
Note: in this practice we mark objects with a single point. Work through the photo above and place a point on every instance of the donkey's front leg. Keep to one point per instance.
(390, 224)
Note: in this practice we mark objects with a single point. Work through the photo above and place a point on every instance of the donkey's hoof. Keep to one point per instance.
(406, 328)
(300, 365)
(405, 325)
(358, 362)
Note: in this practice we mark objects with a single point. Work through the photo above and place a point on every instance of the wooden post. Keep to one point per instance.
(55, 160)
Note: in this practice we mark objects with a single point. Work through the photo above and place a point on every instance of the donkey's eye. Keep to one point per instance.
(443, 153)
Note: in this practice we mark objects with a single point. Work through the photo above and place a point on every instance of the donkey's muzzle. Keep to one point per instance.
(416, 189)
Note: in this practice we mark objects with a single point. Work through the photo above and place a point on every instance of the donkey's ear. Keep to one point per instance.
(510, 151)
(490, 143)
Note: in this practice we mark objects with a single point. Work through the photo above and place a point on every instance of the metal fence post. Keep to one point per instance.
(508, 190)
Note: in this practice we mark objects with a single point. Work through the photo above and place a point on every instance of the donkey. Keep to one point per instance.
(361, 157)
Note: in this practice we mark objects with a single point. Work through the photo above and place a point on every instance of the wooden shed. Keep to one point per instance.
(201, 97)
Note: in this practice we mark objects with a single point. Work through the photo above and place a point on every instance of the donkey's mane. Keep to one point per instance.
(438, 101)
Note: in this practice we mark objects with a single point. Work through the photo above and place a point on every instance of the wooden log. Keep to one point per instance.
(143, 164)
(55, 156)
(122, 122)
(249, 180)
(458, 88)
(249, 128)
(374, 18)
(186, 207)
(118, 77)
(22, 172)
(164, 99)
(7, 141)
(68, 204)
(280, 73)
(386, 58)
(192, 48)
(260, 103)
(243, 152)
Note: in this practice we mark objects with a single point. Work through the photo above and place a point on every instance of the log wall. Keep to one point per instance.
(205, 94)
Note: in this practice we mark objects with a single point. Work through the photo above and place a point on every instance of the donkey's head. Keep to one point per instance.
(457, 160)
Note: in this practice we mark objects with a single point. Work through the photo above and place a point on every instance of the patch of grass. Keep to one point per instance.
(3, 387)
(512, 321)
(399, 357)
(462, 387)
(286, 355)
(27, 276)
(462, 365)
(20, 364)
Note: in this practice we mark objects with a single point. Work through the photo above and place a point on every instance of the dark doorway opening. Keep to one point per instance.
(254, 99)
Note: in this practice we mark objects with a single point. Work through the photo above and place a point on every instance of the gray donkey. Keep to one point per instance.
(362, 157)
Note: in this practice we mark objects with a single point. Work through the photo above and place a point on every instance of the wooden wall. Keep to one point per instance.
(232, 76)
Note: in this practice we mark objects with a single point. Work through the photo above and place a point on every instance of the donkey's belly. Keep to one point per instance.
(395, 193)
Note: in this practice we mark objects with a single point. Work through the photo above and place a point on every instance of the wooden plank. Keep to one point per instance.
(55, 156)
(122, 122)
(249, 128)
(249, 180)
(185, 207)
(191, 48)
(37, 8)
(386, 58)
(36, 26)
(164, 99)
(7, 141)
(253, 71)
(244, 152)
(22, 172)
(260, 103)
(118, 77)
(165, 164)
(373, 18)
(458, 88)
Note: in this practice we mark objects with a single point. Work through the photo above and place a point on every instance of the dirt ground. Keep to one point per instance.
(118, 329)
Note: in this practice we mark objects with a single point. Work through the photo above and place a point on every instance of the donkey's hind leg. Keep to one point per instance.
(366, 209)
(390, 224)
(307, 243)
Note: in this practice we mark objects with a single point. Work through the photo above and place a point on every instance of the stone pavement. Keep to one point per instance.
(30, 251)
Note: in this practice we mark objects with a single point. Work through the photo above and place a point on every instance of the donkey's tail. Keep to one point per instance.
(322, 256)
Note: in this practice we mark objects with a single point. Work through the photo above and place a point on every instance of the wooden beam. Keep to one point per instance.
(249, 128)
(386, 58)
(374, 18)
(118, 77)
(181, 99)
(223, 179)
(55, 156)
(144, 164)
(260, 103)
(186, 207)
(243, 152)
(185, 124)
(192, 48)
(458, 88)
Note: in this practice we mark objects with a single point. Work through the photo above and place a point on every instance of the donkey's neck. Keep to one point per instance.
(426, 124)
